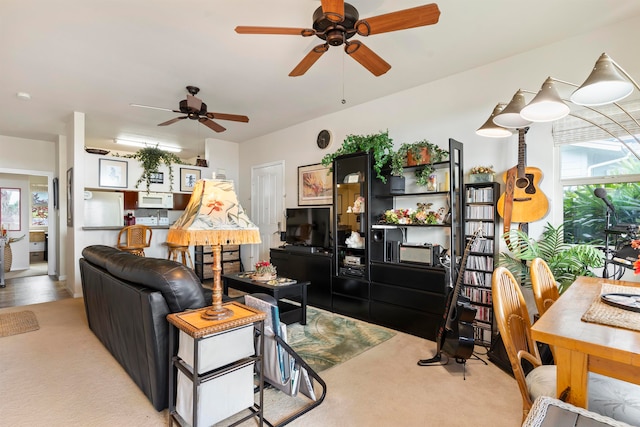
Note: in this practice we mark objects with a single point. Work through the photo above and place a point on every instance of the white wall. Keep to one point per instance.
(455, 107)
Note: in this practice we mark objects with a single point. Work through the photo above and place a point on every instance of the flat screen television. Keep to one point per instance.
(308, 227)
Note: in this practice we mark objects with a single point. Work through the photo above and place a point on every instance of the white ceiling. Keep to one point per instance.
(99, 56)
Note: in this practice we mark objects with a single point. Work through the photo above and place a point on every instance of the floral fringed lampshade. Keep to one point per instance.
(213, 217)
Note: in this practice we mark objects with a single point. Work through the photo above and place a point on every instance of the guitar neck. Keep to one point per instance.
(522, 150)
(456, 289)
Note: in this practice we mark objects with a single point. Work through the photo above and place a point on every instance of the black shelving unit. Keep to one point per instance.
(481, 213)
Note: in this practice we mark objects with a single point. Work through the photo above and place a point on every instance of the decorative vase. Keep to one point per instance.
(264, 277)
(396, 184)
(8, 257)
(481, 177)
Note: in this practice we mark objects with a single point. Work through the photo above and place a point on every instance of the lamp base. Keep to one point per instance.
(219, 314)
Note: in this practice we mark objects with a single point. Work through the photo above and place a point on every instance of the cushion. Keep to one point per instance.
(608, 396)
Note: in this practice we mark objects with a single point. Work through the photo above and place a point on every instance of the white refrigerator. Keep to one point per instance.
(103, 209)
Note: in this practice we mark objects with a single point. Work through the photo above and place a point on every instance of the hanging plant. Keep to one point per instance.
(150, 159)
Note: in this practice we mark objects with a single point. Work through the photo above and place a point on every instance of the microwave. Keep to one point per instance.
(426, 254)
(155, 200)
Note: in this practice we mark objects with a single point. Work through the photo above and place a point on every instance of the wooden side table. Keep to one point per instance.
(217, 358)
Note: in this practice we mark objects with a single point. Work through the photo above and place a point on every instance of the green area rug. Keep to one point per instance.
(329, 339)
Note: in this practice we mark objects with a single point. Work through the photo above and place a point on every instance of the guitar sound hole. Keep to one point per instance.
(522, 183)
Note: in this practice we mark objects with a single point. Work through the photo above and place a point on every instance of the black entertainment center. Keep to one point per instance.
(354, 264)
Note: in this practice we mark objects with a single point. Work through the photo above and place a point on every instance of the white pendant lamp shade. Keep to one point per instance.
(490, 129)
(603, 86)
(546, 106)
(510, 117)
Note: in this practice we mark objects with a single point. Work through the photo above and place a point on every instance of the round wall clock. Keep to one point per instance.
(324, 139)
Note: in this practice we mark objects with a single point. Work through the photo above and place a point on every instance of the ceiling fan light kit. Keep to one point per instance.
(335, 22)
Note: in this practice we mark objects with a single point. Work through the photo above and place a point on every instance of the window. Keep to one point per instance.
(599, 148)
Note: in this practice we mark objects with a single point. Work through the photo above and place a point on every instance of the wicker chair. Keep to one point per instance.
(545, 288)
(134, 238)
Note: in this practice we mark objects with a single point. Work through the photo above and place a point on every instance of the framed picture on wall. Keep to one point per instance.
(188, 178)
(113, 173)
(315, 185)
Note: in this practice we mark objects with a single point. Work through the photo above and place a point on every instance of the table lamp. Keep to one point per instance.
(214, 217)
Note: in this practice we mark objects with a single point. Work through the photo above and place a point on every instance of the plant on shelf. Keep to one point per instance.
(150, 159)
(565, 261)
(420, 152)
(422, 215)
(379, 145)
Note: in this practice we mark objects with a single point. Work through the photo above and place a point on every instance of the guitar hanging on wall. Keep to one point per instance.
(529, 203)
(455, 334)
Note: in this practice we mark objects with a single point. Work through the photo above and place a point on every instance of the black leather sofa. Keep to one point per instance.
(127, 299)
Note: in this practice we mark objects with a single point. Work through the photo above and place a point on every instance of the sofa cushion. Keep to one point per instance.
(178, 284)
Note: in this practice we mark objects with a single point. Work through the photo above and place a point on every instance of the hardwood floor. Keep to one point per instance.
(32, 290)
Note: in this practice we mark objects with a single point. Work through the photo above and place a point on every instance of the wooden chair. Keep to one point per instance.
(608, 396)
(545, 288)
(134, 238)
(512, 317)
(180, 254)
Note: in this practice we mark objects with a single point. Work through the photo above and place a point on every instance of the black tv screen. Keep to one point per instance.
(308, 227)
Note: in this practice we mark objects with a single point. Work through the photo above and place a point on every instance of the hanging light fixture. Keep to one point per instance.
(492, 130)
(546, 106)
(510, 117)
(604, 85)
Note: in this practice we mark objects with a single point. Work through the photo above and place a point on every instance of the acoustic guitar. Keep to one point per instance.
(455, 334)
(529, 202)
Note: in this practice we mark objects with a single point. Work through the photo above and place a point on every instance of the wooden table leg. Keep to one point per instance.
(572, 373)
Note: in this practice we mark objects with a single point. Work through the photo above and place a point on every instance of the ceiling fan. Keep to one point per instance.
(336, 22)
(195, 109)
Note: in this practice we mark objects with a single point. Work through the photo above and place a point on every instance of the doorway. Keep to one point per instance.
(267, 208)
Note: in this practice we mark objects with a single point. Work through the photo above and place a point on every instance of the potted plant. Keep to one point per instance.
(150, 159)
(416, 153)
(481, 174)
(379, 144)
(565, 261)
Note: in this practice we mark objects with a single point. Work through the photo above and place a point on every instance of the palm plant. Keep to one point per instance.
(565, 261)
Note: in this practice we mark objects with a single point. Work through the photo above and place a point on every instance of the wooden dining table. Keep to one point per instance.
(581, 347)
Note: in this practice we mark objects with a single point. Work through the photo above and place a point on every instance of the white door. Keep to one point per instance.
(267, 208)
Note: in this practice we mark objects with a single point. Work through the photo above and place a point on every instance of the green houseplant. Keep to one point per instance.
(150, 159)
(380, 145)
(565, 261)
(420, 152)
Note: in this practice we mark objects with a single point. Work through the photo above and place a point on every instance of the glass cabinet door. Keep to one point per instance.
(351, 208)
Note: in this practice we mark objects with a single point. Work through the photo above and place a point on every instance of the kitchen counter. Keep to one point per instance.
(159, 227)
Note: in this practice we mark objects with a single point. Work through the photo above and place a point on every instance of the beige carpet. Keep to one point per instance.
(61, 375)
(17, 323)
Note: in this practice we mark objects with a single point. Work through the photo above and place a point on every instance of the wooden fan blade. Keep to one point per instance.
(154, 108)
(232, 117)
(172, 121)
(309, 60)
(211, 124)
(400, 20)
(367, 58)
(305, 32)
(333, 10)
